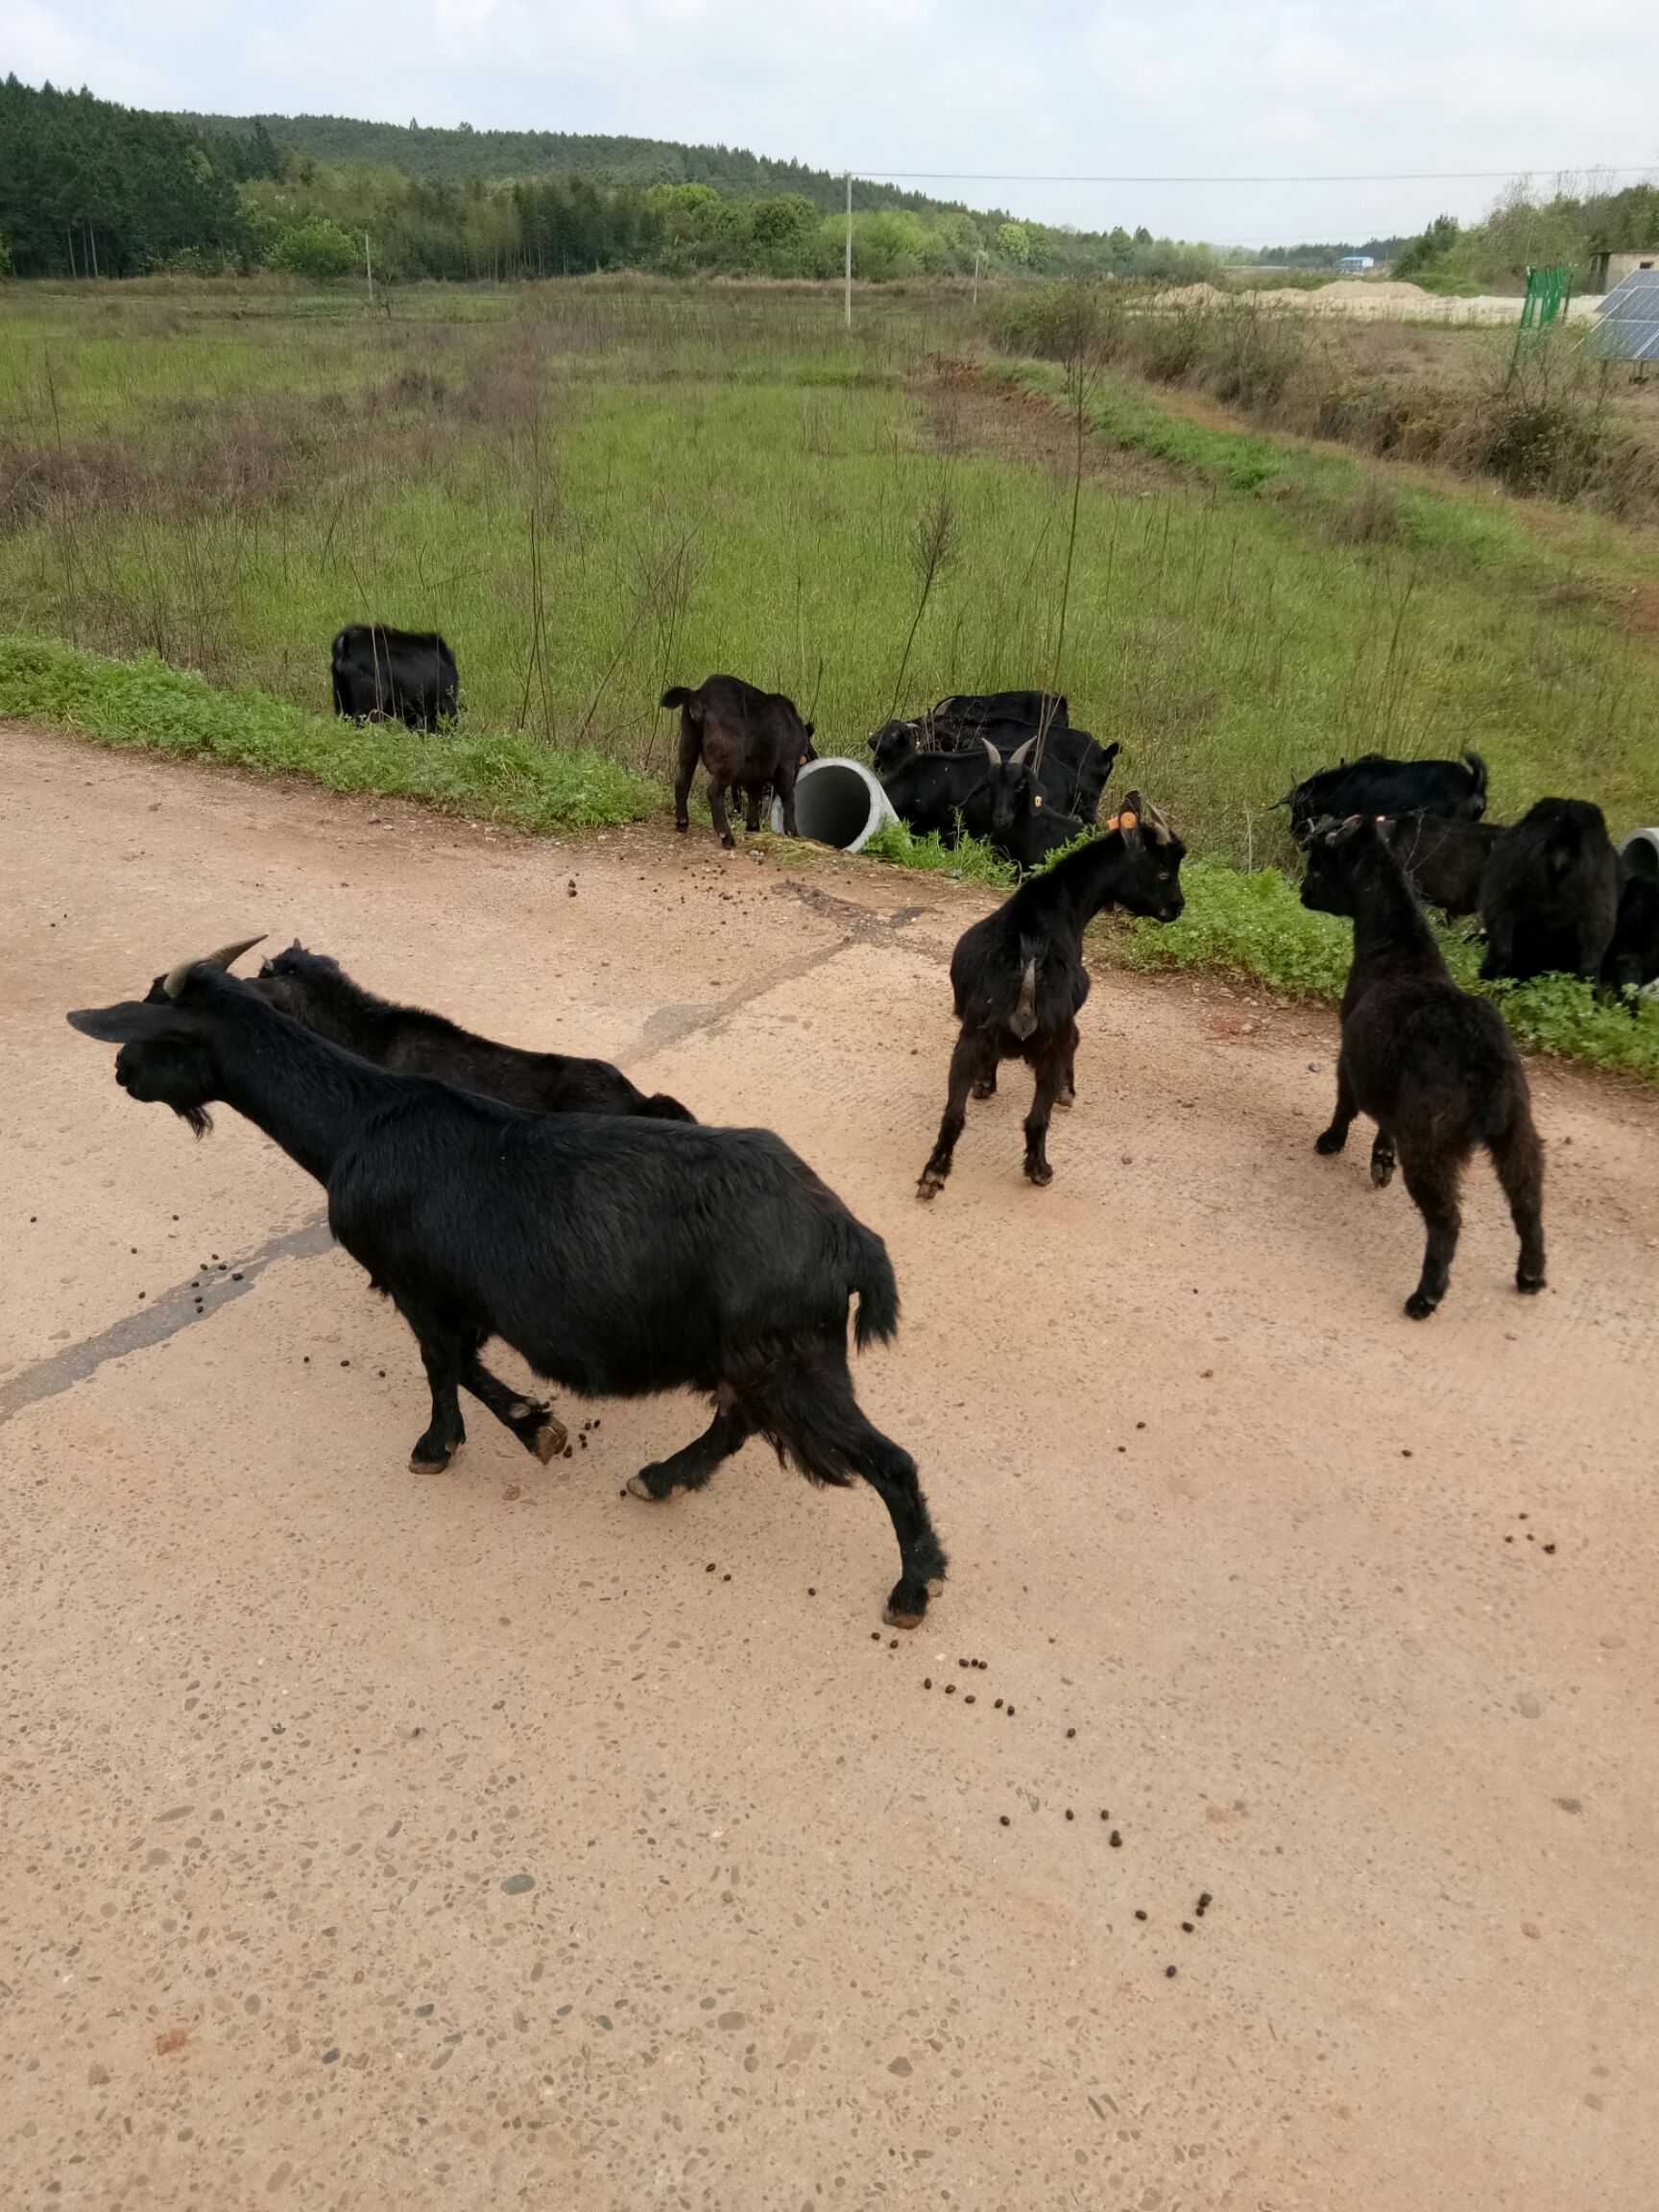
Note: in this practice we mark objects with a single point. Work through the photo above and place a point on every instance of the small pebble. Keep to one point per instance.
(1070, 1814)
(1115, 1839)
(1070, 1731)
(1169, 1973)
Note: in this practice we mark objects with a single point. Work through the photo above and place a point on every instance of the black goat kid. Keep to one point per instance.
(313, 989)
(1434, 1068)
(619, 1256)
(1019, 976)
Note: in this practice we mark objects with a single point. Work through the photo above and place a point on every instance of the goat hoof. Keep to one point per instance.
(1383, 1173)
(422, 1466)
(1039, 1172)
(549, 1440)
(730, 842)
(1329, 1140)
(1419, 1307)
(681, 827)
(930, 1185)
(1067, 1100)
(899, 1614)
(639, 1486)
(983, 1091)
(1530, 1285)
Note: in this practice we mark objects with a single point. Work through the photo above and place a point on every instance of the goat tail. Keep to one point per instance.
(1476, 768)
(1023, 1019)
(679, 696)
(659, 1107)
(877, 1288)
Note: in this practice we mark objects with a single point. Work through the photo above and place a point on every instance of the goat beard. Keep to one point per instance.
(200, 1120)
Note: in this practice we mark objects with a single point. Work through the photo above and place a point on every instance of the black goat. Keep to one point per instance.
(743, 736)
(1444, 861)
(1632, 959)
(1550, 896)
(619, 1257)
(1375, 785)
(1035, 828)
(313, 989)
(969, 794)
(1434, 1068)
(1019, 976)
(407, 674)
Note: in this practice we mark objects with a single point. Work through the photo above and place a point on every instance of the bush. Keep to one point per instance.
(317, 248)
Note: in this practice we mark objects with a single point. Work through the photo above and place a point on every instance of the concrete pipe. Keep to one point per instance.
(837, 803)
(1639, 854)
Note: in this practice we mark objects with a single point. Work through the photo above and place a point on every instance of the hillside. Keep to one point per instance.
(465, 155)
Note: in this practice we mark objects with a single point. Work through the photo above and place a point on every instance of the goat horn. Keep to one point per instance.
(995, 757)
(1017, 759)
(173, 982)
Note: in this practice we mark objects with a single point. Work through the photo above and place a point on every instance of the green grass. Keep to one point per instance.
(970, 861)
(728, 481)
(495, 778)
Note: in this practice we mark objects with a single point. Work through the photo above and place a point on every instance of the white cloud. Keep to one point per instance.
(1143, 87)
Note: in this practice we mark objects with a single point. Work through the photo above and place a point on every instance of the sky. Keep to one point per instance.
(1298, 89)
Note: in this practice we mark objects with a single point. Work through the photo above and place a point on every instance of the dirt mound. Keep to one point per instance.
(1347, 289)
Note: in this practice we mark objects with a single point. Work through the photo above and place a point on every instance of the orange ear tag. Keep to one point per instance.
(1036, 798)
(1112, 824)
(1127, 821)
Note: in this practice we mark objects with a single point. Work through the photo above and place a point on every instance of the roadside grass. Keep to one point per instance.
(499, 777)
(597, 489)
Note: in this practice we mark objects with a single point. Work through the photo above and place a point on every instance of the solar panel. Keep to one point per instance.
(1628, 328)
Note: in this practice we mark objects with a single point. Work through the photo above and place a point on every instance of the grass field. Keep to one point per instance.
(596, 489)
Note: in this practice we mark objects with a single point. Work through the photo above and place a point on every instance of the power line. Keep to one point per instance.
(1400, 176)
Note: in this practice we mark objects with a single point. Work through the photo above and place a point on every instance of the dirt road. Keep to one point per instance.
(487, 1840)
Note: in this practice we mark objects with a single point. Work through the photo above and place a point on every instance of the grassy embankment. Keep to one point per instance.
(599, 489)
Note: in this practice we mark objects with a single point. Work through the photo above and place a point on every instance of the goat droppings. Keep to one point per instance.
(1169, 1973)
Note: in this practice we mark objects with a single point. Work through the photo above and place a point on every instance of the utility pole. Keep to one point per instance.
(849, 306)
(92, 241)
(369, 265)
(976, 258)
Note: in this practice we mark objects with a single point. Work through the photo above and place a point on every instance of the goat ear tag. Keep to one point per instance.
(1125, 821)
(1036, 799)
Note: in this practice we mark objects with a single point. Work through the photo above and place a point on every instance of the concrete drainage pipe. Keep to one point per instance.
(837, 803)
(1639, 854)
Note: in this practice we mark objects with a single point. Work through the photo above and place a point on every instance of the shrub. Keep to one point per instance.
(317, 248)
